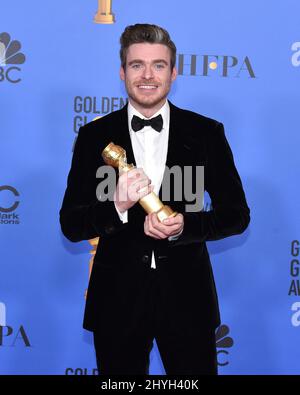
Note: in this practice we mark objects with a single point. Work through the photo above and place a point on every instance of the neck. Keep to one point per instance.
(147, 112)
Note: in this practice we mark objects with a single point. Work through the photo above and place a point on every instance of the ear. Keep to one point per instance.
(122, 73)
(174, 73)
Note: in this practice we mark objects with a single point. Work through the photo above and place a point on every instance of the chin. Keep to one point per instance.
(149, 102)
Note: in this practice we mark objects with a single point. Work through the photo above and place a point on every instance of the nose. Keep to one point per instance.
(148, 72)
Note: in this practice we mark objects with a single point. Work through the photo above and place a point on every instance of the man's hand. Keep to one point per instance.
(162, 230)
(131, 187)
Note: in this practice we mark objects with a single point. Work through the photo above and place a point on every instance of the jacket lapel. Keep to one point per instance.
(123, 138)
(175, 144)
(175, 140)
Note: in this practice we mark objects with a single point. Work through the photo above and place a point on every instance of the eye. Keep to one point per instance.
(160, 66)
(136, 66)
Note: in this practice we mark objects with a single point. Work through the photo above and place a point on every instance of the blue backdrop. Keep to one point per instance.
(237, 63)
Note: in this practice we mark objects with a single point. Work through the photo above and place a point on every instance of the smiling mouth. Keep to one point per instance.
(147, 87)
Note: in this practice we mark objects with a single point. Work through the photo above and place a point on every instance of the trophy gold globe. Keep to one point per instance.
(115, 156)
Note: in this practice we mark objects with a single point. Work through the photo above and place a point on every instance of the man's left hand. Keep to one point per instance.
(162, 230)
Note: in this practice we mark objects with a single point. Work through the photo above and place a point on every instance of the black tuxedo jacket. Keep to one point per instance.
(123, 257)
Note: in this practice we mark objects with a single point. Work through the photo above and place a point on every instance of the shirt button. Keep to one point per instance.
(145, 258)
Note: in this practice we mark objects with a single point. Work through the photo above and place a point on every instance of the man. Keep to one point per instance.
(152, 279)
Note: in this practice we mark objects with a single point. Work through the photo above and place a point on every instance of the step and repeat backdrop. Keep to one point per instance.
(59, 69)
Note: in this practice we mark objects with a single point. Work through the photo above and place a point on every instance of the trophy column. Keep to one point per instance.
(104, 13)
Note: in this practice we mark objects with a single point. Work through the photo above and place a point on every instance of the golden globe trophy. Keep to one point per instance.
(104, 13)
(115, 156)
(94, 243)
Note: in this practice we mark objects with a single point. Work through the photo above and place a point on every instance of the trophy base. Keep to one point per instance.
(165, 212)
(103, 18)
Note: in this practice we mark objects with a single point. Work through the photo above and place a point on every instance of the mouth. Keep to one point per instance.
(147, 87)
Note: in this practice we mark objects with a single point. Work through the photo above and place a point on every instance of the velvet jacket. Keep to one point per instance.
(123, 257)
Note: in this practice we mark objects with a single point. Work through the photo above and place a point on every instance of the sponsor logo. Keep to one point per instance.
(10, 55)
(223, 343)
(81, 371)
(227, 66)
(8, 205)
(8, 335)
(89, 108)
(11, 337)
(294, 288)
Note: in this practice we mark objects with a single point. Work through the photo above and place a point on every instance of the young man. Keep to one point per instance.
(152, 279)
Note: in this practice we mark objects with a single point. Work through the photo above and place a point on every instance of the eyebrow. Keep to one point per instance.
(142, 61)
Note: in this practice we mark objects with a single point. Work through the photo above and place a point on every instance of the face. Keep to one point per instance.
(148, 76)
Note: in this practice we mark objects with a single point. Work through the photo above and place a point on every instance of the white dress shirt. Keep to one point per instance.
(150, 152)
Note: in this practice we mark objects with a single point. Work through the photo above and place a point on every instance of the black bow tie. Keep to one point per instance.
(138, 123)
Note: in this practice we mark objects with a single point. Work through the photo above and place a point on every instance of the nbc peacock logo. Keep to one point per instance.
(223, 342)
(10, 56)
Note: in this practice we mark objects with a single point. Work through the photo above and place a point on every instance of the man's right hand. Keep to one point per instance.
(131, 187)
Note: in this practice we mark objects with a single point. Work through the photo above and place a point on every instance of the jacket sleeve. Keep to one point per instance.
(82, 215)
(230, 213)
